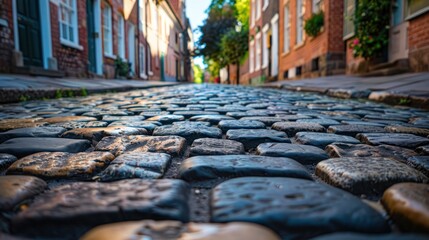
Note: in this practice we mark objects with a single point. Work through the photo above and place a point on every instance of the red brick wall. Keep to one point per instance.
(252, 33)
(328, 45)
(6, 36)
(72, 61)
(418, 42)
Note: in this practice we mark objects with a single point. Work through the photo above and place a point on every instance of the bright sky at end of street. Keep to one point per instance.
(195, 10)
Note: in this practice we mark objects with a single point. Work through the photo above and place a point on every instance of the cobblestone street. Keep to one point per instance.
(213, 162)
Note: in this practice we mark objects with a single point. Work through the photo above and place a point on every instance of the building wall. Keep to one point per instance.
(6, 35)
(326, 49)
(72, 61)
(418, 42)
(256, 28)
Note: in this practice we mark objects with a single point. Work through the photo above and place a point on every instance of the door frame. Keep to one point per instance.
(97, 41)
(45, 30)
(131, 32)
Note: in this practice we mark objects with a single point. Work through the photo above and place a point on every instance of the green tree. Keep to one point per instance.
(242, 9)
(198, 74)
(234, 47)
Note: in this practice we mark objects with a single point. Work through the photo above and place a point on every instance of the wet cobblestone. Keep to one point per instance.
(235, 162)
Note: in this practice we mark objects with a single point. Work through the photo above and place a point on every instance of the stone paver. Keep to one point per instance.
(322, 139)
(304, 154)
(136, 165)
(32, 132)
(213, 146)
(251, 138)
(98, 133)
(177, 230)
(81, 166)
(357, 174)
(353, 130)
(360, 236)
(291, 128)
(229, 166)
(189, 132)
(363, 150)
(408, 206)
(92, 204)
(16, 189)
(294, 208)
(126, 141)
(172, 145)
(21, 147)
(6, 160)
(226, 125)
(395, 139)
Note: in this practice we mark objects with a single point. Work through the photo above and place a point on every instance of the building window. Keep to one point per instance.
(316, 6)
(252, 56)
(107, 30)
(142, 16)
(258, 52)
(266, 3)
(258, 9)
(149, 60)
(121, 37)
(68, 22)
(253, 14)
(142, 57)
(299, 21)
(298, 71)
(416, 7)
(349, 12)
(286, 38)
(265, 47)
(315, 64)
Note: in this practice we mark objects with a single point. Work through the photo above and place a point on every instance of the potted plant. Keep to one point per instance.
(314, 24)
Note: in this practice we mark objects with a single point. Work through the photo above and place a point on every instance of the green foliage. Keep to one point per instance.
(121, 67)
(58, 93)
(314, 24)
(198, 74)
(234, 45)
(69, 93)
(242, 8)
(404, 101)
(372, 28)
(23, 98)
(83, 92)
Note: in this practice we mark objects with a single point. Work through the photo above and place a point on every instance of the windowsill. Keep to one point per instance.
(299, 45)
(285, 53)
(71, 44)
(111, 56)
(348, 36)
(264, 7)
(150, 73)
(3, 22)
(143, 76)
(418, 13)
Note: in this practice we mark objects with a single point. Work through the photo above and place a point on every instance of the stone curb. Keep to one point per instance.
(8, 95)
(390, 98)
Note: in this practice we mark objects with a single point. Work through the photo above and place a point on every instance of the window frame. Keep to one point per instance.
(265, 6)
(107, 31)
(348, 8)
(417, 13)
(72, 25)
(252, 56)
(265, 57)
(300, 12)
(258, 52)
(121, 36)
(286, 28)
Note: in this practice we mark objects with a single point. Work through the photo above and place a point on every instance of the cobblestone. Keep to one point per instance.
(255, 164)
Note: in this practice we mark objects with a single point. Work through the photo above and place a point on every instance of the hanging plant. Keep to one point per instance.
(372, 28)
(314, 24)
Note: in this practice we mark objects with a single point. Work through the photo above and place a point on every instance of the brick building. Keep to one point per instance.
(304, 56)
(85, 38)
(408, 48)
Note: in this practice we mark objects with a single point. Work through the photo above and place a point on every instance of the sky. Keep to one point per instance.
(195, 10)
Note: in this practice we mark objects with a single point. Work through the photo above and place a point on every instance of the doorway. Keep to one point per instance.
(92, 35)
(131, 46)
(29, 32)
